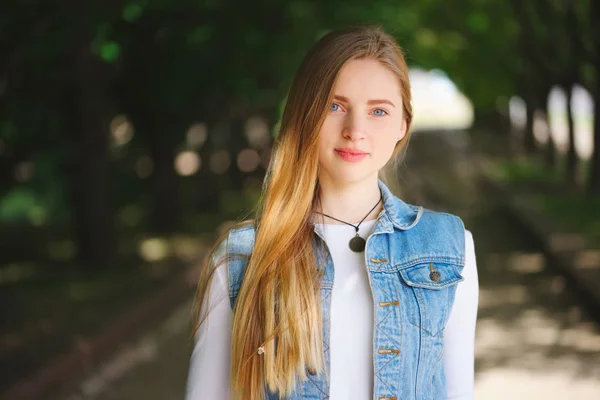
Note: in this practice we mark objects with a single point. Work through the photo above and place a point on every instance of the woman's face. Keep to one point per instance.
(363, 125)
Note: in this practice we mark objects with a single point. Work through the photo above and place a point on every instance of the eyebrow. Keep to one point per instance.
(369, 102)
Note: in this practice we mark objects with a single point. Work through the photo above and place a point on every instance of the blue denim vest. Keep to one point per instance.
(415, 257)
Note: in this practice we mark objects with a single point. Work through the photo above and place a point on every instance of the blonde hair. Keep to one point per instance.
(278, 305)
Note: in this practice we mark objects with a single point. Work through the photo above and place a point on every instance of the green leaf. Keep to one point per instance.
(132, 12)
(199, 35)
(8, 131)
(478, 22)
(426, 37)
(109, 51)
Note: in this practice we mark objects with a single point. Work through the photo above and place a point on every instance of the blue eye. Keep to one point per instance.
(332, 108)
(382, 113)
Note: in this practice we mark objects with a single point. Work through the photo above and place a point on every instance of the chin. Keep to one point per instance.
(350, 176)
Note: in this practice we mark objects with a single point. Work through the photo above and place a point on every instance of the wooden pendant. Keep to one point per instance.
(357, 244)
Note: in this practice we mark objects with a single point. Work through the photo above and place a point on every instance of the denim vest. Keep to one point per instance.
(414, 257)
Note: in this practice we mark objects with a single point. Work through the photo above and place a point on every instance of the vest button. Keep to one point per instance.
(434, 276)
(382, 350)
(378, 260)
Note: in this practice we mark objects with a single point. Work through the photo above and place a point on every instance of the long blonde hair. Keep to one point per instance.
(278, 305)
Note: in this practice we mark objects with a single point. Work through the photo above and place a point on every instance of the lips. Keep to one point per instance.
(351, 155)
(350, 150)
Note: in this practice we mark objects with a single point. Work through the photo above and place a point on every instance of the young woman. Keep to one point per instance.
(338, 289)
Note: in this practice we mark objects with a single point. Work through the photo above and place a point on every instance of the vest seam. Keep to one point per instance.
(383, 382)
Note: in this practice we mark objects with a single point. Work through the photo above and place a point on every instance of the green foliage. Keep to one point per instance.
(133, 11)
(199, 35)
(8, 131)
(526, 171)
(109, 51)
(166, 64)
(478, 22)
(578, 213)
(17, 204)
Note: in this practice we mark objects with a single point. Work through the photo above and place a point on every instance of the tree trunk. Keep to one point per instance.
(207, 197)
(86, 117)
(237, 143)
(491, 119)
(571, 172)
(528, 137)
(594, 177)
(165, 183)
(550, 148)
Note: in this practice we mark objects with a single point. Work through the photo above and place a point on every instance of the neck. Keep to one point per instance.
(349, 202)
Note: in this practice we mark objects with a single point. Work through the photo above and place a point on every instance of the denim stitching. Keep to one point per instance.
(425, 330)
(383, 331)
(328, 295)
(433, 372)
(318, 388)
(391, 338)
(385, 365)
(454, 260)
(385, 384)
(385, 317)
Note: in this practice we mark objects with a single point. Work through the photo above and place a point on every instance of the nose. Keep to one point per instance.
(355, 127)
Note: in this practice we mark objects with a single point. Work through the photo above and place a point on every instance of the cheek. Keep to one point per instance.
(385, 150)
(385, 143)
(331, 126)
(328, 133)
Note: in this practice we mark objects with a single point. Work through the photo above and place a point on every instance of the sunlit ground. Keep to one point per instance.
(531, 343)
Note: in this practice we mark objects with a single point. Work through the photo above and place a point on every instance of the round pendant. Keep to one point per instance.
(357, 244)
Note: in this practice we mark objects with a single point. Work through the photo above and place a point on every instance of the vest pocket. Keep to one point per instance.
(433, 285)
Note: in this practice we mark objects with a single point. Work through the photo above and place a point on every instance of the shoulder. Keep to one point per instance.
(441, 222)
(445, 231)
(448, 220)
(240, 243)
(241, 238)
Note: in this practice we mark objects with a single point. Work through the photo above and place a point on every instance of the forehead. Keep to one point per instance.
(367, 79)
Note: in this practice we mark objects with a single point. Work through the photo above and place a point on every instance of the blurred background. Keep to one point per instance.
(132, 132)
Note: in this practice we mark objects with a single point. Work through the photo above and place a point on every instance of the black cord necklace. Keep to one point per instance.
(357, 243)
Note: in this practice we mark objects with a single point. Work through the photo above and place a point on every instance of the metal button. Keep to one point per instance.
(433, 274)
(378, 260)
(387, 351)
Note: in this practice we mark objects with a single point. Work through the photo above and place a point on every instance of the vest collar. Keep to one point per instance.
(395, 214)
(400, 214)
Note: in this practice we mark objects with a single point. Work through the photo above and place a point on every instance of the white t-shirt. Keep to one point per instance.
(351, 327)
